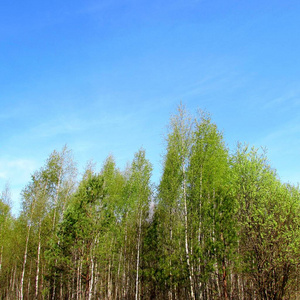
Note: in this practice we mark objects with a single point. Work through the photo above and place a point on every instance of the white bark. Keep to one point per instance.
(1, 257)
(118, 276)
(187, 252)
(28, 286)
(138, 259)
(124, 279)
(109, 285)
(91, 279)
(24, 264)
(78, 280)
(38, 266)
(56, 197)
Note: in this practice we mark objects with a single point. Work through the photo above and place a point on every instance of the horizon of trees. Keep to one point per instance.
(219, 225)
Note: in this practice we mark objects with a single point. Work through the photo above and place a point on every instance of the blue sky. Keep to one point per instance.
(104, 77)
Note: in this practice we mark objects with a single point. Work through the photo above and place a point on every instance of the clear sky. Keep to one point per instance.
(103, 77)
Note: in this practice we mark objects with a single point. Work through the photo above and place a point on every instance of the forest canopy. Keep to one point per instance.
(220, 224)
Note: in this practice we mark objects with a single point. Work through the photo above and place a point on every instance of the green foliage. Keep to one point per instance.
(85, 215)
(269, 220)
(221, 226)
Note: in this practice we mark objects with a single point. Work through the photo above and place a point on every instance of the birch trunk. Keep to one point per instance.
(42, 280)
(87, 277)
(187, 252)
(118, 276)
(109, 280)
(224, 280)
(61, 287)
(91, 279)
(28, 286)
(56, 198)
(1, 257)
(138, 259)
(13, 281)
(78, 280)
(124, 279)
(38, 266)
(170, 292)
(54, 288)
(24, 264)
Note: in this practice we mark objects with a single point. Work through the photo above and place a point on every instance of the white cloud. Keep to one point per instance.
(16, 169)
(284, 136)
(283, 148)
(289, 100)
(56, 127)
(16, 172)
(75, 125)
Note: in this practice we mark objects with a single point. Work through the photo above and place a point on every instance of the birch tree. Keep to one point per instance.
(213, 208)
(6, 247)
(42, 200)
(173, 189)
(77, 235)
(269, 238)
(139, 196)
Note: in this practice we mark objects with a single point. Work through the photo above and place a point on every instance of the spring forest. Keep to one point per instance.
(219, 224)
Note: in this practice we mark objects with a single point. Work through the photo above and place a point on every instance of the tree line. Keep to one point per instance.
(219, 225)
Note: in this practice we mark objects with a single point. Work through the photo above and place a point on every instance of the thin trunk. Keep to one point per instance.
(29, 277)
(38, 266)
(109, 280)
(170, 292)
(187, 253)
(118, 276)
(80, 283)
(124, 280)
(78, 279)
(10, 281)
(65, 200)
(6, 290)
(87, 277)
(56, 197)
(224, 275)
(224, 280)
(53, 226)
(200, 235)
(54, 288)
(13, 282)
(61, 287)
(241, 287)
(96, 278)
(217, 280)
(69, 290)
(1, 239)
(91, 279)
(1, 251)
(21, 296)
(73, 279)
(138, 259)
(200, 207)
(42, 281)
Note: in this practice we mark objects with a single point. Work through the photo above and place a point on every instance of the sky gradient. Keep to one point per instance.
(104, 77)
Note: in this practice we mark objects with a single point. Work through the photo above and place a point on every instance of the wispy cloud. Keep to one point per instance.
(17, 169)
(290, 99)
(217, 77)
(16, 172)
(76, 124)
(283, 146)
(284, 140)
(56, 127)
